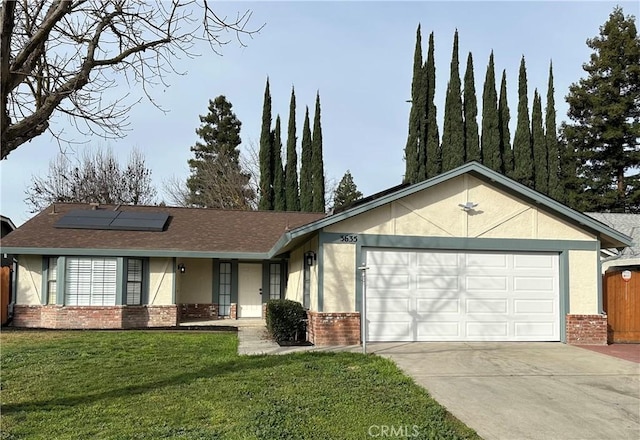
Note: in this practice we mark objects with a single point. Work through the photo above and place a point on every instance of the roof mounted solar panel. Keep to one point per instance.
(103, 219)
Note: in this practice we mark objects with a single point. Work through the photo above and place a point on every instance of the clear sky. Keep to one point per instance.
(359, 56)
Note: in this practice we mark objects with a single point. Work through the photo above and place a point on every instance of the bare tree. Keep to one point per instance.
(59, 57)
(96, 176)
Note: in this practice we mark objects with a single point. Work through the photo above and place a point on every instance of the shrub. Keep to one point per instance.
(286, 320)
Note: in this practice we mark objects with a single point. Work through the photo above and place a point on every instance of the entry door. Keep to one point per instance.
(249, 285)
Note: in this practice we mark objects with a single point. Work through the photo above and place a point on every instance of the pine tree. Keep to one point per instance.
(551, 140)
(292, 201)
(605, 110)
(453, 134)
(471, 141)
(346, 193)
(433, 153)
(217, 179)
(503, 127)
(279, 200)
(317, 162)
(522, 150)
(540, 165)
(306, 184)
(266, 155)
(416, 115)
(491, 154)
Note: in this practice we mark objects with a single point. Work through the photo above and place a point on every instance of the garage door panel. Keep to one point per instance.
(474, 296)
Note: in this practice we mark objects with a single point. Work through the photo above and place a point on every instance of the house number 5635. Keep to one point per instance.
(349, 238)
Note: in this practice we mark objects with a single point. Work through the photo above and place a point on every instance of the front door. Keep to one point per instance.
(249, 295)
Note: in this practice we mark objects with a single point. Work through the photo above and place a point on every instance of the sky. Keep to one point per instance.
(358, 56)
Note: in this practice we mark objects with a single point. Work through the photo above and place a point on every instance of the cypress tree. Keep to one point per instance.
(317, 162)
(279, 201)
(453, 134)
(551, 140)
(540, 165)
(266, 155)
(306, 184)
(433, 152)
(471, 142)
(292, 201)
(503, 127)
(491, 154)
(522, 149)
(411, 153)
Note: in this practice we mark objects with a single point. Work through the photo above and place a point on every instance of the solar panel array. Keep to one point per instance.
(114, 220)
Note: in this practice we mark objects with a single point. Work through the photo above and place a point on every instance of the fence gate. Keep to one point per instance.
(622, 304)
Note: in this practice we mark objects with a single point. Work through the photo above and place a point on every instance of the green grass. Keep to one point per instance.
(193, 385)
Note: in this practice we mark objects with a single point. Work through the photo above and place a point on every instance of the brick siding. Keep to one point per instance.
(198, 311)
(333, 328)
(93, 317)
(587, 329)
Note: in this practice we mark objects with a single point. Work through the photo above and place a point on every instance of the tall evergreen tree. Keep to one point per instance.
(279, 196)
(433, 152)
(503, 127)
(453, 134)
(317, 162)
(292, 201)
(551, 140)
(491, 154)
(346, 193)
(306, 183)
(471, 141)
(217, 179)
(522, 149)
(416, 115)
(540, 164)
(266, 155)
(605, 110)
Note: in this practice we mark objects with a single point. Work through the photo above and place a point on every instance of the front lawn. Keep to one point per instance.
(193, 385)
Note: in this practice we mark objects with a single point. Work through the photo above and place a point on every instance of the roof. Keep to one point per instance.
(197, 232)
(7, 221)
(609, 236)
(628, 224)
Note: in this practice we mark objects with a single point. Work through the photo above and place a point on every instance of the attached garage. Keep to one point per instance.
(433, 295)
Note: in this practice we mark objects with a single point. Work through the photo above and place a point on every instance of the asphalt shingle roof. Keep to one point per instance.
(189, 229)
(628, 224)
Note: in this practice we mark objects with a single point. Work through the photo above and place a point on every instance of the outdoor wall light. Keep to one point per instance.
(181, 268)
(309, 258)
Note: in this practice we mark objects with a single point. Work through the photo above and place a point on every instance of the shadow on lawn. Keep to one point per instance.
(219, 369)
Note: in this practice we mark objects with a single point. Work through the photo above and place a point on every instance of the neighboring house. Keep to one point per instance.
(6, 226)
(628, 224)
(466, 256)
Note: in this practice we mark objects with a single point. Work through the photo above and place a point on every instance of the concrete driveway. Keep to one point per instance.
(526, 390)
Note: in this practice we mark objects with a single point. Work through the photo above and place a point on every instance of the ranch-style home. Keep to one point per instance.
(469, 255)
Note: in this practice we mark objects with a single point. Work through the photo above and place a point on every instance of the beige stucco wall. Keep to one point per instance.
(435, 212)
(195, 286)
(160, 281)
(583, 281)
(29, 283)
(295, 282)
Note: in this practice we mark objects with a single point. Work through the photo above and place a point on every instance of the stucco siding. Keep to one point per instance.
(195, 286)
(583, 283)
(295, 282)
(161, 281)
(339, 278)
(29, 286)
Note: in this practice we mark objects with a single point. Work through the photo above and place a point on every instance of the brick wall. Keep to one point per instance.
(93, 317)
(587, 329)
(233, 311)
(333, 328)
(198, 311)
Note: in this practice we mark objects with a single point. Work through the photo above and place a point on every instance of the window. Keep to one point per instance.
(134, 281)
(90, 281)
(275, 283)
(52, 276)
(224, 296)
(306, 292)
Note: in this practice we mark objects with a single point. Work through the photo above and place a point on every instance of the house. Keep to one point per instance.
(6, 226)
(466, 256)
(621, 279)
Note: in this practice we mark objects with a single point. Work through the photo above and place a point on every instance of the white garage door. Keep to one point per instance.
(452, 296)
